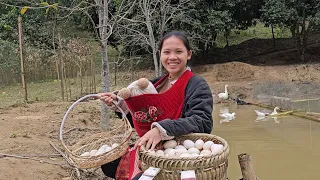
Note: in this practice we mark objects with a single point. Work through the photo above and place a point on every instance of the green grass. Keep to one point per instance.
(50, 91)
(258, 31)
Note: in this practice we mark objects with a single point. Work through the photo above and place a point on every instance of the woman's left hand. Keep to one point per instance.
(151, 139)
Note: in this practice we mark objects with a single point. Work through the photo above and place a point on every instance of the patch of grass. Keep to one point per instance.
(50, 91)
(259, 31)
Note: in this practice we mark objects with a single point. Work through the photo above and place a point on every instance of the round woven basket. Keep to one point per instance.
(120, 135)
(206, 167)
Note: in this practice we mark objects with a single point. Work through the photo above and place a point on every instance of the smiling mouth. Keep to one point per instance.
(173, 64)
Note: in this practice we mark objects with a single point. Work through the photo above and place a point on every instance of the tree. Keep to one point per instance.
(304, 16)
(148, 23)
(274, 13)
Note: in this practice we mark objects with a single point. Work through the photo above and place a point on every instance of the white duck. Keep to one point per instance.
(227, 115)
(263, 114)
(225, 95)
(275, 111)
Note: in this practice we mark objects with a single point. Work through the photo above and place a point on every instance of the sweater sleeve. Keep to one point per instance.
(196, 112)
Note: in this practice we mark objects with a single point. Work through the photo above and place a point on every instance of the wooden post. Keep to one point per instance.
(23, 82)
(246, 167)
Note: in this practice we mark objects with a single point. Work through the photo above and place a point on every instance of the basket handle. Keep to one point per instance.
(81, 99)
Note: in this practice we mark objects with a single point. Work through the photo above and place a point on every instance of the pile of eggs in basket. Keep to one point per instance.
(188, 149)
(103, 149)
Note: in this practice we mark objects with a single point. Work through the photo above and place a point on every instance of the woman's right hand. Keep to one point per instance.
(108, 98)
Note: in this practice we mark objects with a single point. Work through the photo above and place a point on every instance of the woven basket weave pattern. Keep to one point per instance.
(206, 167)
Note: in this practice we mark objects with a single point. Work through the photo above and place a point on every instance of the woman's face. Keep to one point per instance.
(174, 56)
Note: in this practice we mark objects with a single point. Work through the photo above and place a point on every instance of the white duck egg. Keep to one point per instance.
(107, 149)
(206, 152)
(85, 154)
(188, 144)
(193, 150)
(199, 144)
(159, 153)
(171, 153)
(100, 152)
(216, 149)
(181, 151)
(194, 155)
(115, 145)
(180, 147)
(207, 145)
(185, 155)
(151, 152)
(167, 150)
(170, 144)
(103, 147)
(93, 152)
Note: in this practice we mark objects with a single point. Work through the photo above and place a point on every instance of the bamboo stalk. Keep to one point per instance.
(23, 81)
(246, 167)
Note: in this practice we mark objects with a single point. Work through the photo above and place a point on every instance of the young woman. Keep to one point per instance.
(184, 103)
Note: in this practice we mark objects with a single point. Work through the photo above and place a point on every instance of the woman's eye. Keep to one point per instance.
(166, 52)
(179, 52)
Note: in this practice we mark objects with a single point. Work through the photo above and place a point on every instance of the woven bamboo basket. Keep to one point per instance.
(206, 167)
(120, 135)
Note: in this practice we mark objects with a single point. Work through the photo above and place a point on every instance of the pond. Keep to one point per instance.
(287, 147)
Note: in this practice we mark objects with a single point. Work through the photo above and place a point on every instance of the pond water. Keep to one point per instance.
(287, 147)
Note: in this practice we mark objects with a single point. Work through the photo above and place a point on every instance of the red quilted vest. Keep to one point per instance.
(148, 108)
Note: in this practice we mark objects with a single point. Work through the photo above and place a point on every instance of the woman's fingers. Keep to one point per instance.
(149, 143)
(154, 145)
(107, 98)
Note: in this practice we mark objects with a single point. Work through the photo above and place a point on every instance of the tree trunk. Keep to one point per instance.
(61, 67)
(293, 30)
(103, 22)
(273, 39)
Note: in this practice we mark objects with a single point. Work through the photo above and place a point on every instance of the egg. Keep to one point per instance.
(193, 150)
(188, 144)
(93, 152)
(151, 152)
(171, 153)
(85, 154)
(206, 152)
(199, 144)
(185, 155)
(216, 149)
(170, 144)
(159, 153)
(107, 149)
(99, 152)
(115, 145)
(194, 155)
(207, 145)
(180, 151)
(103, 147)
(180, 147)
(167, 150)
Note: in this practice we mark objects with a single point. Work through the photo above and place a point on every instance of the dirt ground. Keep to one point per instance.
(25, 131)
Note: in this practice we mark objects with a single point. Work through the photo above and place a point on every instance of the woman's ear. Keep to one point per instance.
(189, 55)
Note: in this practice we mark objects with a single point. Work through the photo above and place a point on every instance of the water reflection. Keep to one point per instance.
(285, 144)
(226, 115)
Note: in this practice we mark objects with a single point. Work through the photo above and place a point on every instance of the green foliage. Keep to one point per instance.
(260, 31)
(275, 12)
(9, 57)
